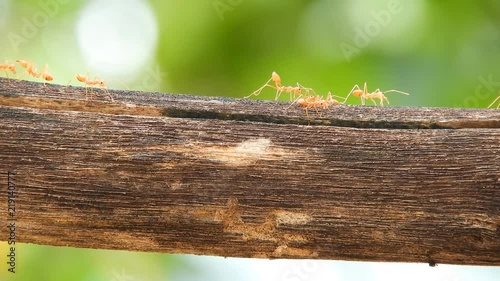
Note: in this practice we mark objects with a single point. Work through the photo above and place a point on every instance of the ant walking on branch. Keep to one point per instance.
(6, 67)
(377, 94)
(316, 102)
(292, 90)
(45, 74)
(29, 67)
(31, 70)
(96, 82)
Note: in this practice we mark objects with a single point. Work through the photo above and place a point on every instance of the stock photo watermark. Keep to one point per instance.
(363, 36)
(486, 90)
(223, 6)
(154, 78)
(31, 26)
(300, 272)
(11, 221)
(121, 276)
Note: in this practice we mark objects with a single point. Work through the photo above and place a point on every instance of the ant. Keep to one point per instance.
(96, 82)
(377, 94)
(31, 70)
(491, 105)
(292, 90)
(331, 100)
(45, 75)
(29, 67)
(316, 102)
(311, 102)
(8, 67)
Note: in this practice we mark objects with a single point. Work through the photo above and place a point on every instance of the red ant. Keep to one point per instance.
(45, 75)
(29, 67)
(31, 70)
(377, 94)
(316, 102)
(8, 67)
(292, 90)
(96, 82)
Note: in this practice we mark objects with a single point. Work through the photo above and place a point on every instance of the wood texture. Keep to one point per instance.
(242, 178)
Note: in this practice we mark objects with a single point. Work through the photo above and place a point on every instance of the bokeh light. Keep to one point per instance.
(117, 37)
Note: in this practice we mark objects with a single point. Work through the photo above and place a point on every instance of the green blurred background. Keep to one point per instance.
(443, 52)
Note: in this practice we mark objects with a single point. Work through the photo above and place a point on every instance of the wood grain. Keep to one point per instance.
(241, 178)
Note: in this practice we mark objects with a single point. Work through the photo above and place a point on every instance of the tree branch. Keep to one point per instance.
(242, 178)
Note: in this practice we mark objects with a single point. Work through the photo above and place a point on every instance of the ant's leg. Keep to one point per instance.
(279, 91)
(86, 92)
(257, 92)
(307, 90)
(7, 76)
(316, 109)
(295, 101)
(109, 94)
(386, 99)
(372, 97)
(100, 83)
(363, 100)
(365, 94)
(91, 92)
(498, 106)
(307, 115)
(332, 96)
(356, 87)
(395, 91)
(381, 101)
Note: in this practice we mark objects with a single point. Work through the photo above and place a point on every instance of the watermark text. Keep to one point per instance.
(363, 36)
(11, 220)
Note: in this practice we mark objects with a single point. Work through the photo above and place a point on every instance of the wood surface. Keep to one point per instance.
(243, 178)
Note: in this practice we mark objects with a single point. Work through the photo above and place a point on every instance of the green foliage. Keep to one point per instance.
(439, 51)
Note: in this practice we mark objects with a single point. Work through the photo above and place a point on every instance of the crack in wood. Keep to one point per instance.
(18, 93)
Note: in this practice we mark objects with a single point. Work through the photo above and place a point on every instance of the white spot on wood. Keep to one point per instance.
(244, 153)
(257, 146)
(286, 251)
(284, 217)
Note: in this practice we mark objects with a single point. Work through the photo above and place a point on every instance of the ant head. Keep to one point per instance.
(12, 68)
(357, 93)
(48, 77)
